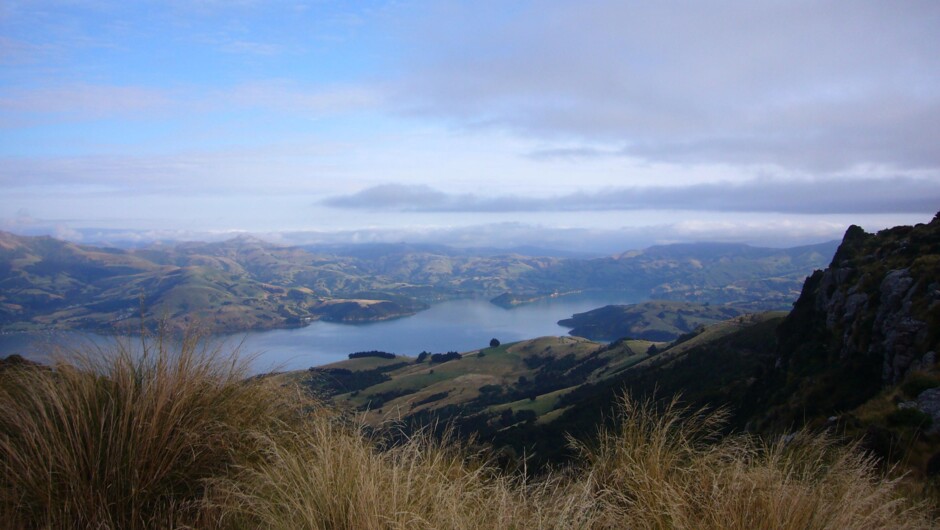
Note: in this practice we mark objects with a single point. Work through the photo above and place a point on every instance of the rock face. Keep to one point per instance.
(880, 294)
(928, 402)
(865, 322)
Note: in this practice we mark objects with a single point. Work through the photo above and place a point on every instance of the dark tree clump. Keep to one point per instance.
(373, 353)
(444, 357)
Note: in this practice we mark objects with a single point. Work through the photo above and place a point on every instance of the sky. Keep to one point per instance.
(590, 125)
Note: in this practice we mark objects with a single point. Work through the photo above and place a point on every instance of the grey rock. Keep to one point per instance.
(895, 333)
(928, 360)
(929, 403)
(853, 305)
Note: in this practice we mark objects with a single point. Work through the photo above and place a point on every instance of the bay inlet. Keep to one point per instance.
(455, 325)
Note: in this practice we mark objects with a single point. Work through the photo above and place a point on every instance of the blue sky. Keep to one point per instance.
(593, 125)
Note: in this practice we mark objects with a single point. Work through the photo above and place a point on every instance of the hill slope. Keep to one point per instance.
(656, 320)
(856, 355)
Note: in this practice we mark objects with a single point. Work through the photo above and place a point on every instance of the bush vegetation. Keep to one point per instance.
(444, 357)
(179, 437)
(373, 353)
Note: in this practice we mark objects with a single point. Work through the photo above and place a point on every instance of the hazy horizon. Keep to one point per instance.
(595, 126)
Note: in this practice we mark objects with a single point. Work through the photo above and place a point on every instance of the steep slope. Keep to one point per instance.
(856, 355)
(863, 325)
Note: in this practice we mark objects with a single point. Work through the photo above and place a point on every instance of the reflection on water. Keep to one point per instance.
(459, 325)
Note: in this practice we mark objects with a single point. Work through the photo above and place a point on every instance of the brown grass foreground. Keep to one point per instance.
(179, 437)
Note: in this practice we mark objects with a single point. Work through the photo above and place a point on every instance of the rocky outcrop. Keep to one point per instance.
(878, 296)
(862, 324)
(896, 334)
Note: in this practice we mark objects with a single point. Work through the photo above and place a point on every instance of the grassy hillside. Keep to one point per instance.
(526, 396)
(856, 356)
(178, 439)
(529, 397)
(655, 320)
(479, 382)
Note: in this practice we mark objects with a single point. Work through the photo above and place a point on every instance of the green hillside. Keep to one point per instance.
(656, 320)
(507, 393)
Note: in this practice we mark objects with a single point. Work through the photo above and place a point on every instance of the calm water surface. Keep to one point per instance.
(459, 325)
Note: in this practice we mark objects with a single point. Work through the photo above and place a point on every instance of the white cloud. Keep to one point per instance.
(301, 168)
(807, 85)
(817, 196)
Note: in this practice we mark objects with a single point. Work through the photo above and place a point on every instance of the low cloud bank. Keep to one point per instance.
(829, 196)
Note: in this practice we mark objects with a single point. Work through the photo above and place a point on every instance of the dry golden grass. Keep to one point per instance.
(124, 437)
(331, 476)
(180, 438)
(668, 469)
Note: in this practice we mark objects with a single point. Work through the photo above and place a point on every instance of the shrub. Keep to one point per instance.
(373, 353)
(917, 382)
(910, 417)
(444, 357)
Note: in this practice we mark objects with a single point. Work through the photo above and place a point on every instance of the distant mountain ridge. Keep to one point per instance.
(752, 278)
(246, 283)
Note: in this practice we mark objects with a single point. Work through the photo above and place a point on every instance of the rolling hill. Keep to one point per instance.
(245, 283)
(656, 320)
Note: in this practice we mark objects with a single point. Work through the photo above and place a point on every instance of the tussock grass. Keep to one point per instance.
(124, 436)
(179, 437)
(668, 468)
(332, 476)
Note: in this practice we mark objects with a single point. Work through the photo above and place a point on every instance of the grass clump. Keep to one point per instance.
(332, 476)
(669, 468)
(125, 436)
